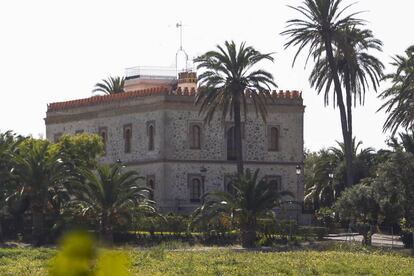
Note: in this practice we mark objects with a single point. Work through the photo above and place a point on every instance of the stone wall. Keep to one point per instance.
(172, 159)
(255, 140)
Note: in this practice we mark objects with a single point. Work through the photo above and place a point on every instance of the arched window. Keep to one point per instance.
(151, 186)
(228, 184)
(103, 132)
(56, 137)
(195, 137)
(275, 182)
(274, 139)
(151, 137)
(231, 145)
(127, 138)
(103, 135)
(195, 190)
(274, 185)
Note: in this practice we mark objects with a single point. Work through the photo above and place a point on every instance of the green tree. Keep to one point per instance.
(229, 84)
(356, 67)
(325, 172)
(362, 162)
(9, 142)
(400, 96)
(38, 169)
(112, 85)
(251, 199)
(320, 189)
(357, 70)
(79, 150)
(42, 169)
(394, 187)
(358, 204)
(8, 146)
(405, 143)
(326, 31)
(110, 195)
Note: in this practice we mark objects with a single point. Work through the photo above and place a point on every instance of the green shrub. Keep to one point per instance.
(407, 234)
(267, 226)
(170, 223)
(325, 217)
(313, 231)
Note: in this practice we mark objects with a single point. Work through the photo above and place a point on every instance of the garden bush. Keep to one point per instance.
(170, 223)
(325, 217)
(407, 238)
(407, 234)
(156, 238)
(313, 231)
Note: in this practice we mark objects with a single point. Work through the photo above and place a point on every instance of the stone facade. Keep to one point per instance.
(173, 166)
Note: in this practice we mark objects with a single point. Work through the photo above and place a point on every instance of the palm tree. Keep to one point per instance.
(110, 195)
(8, 146)
(362, 162)
(325, 172)
(249, 200)
(230, 84)
(322, 30)
(339, 152)
(356, 68)
(400, 96)
(113, 85)
(38, 169)
(320, 189)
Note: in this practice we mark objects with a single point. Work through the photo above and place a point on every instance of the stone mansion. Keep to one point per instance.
(155, 128)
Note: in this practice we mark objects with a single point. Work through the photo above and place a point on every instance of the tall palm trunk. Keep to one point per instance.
(238, 136)
(106, 234)
(342, 111)
(349, 155)
(1, 229)
(38, 223)
(248, 233)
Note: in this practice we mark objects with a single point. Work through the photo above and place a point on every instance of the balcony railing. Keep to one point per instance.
(151, 72)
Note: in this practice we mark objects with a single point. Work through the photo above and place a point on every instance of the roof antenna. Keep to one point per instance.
(180, 26)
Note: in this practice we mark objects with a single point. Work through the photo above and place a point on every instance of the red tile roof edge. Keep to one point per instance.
(94, 100)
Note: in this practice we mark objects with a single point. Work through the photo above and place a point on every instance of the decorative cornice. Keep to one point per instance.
(169, 103)
(161, 90)
(223, 162)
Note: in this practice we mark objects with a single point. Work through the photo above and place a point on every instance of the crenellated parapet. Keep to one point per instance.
(294, 94)
(184, 91)
(155, 91)
(187, 77)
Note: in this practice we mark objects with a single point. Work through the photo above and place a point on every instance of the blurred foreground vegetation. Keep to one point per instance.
(174, 259)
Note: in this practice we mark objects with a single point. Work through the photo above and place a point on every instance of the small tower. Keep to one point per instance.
(187, 80)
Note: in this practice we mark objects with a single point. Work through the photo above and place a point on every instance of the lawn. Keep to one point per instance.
(159, 261)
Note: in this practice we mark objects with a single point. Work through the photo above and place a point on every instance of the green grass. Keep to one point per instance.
(25, 262)
(160, 261)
